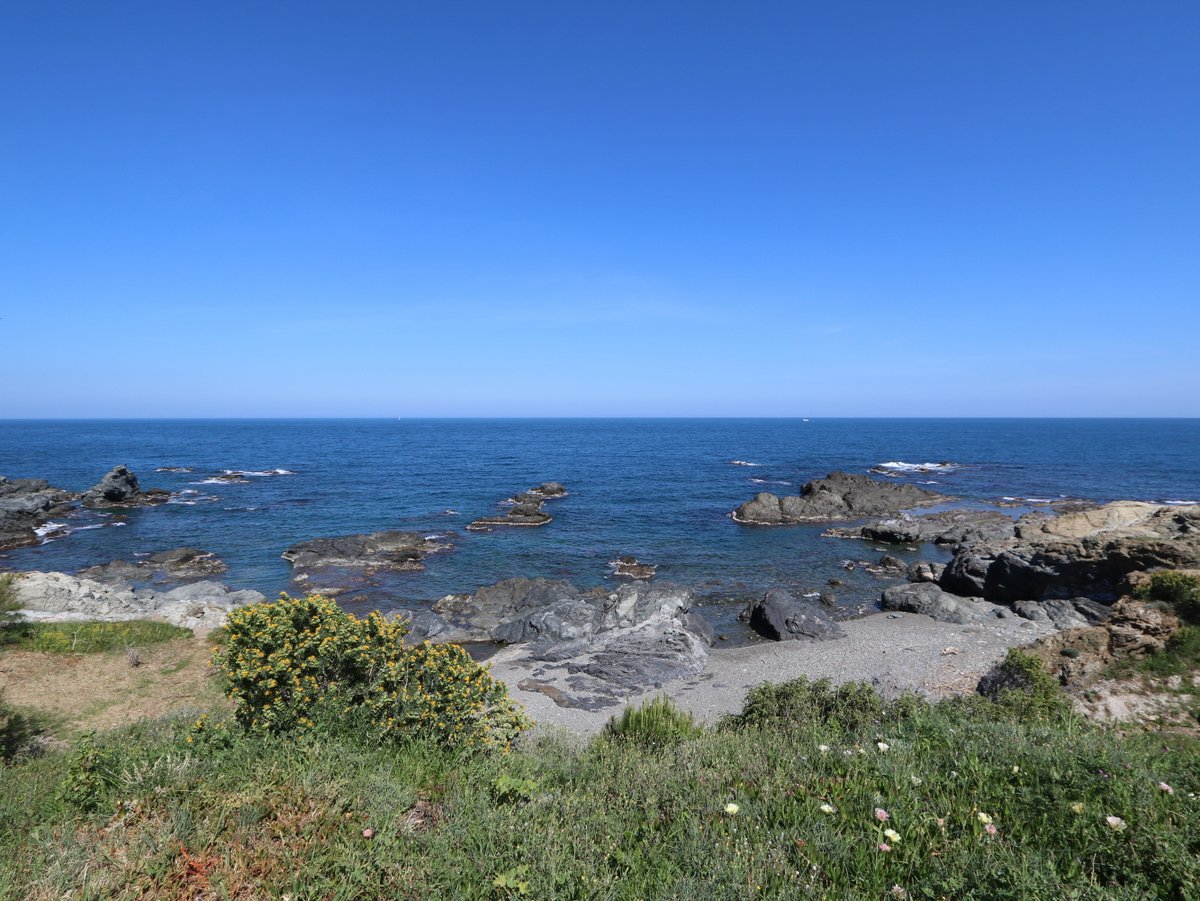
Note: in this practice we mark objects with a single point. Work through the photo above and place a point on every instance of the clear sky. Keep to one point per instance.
(607, 208)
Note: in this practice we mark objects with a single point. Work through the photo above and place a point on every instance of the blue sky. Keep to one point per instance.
(529, 209)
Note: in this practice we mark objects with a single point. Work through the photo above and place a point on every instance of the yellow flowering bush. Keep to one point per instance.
(294, 659)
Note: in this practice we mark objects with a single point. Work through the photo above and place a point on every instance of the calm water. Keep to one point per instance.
(658, 489)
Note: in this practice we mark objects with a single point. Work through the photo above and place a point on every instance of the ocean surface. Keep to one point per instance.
(660, 490)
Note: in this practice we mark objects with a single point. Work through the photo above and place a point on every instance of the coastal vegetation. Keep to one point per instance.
(811, 790)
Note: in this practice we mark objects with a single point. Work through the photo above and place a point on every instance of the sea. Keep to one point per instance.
(660, 490)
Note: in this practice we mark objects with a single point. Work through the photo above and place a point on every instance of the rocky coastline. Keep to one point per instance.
(589, 649)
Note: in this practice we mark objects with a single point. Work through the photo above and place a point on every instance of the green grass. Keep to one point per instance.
(87, 637)
(147, 813)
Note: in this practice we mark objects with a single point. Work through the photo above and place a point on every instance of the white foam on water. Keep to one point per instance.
(258, 473)
(901, 466)
(743, 463)
(46, 528)
(1182, 503)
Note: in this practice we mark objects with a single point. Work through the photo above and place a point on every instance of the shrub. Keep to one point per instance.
(299, 660)
(800, 703)
(8, 599)
(656, 723)
(1180, 590)
(91, 772)
(1020, 685)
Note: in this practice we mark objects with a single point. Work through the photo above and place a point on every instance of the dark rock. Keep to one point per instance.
(966, 574)
(943, 527)
(930, 600)
(1074, 613)
(525, 509)
(26, 504)
(892, 564)
(629, 568)
(780, 616)
(838, 496)
(120, 488)
(398, 551)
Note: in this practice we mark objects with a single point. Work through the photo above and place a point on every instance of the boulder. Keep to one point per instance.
(25, 505)
(1074, 613)
(924, 571)
(120, 488)
(930, 600)
(57, 597)
(840, 495)
(781, 617)
(397, 551)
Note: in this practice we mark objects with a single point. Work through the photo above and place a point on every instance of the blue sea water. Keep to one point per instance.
(657, 489)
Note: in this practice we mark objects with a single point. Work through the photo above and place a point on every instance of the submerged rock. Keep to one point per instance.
(176, 565)
(57, 597)
(781, 617)
(840, 495)
(25, 505)
(120, 488)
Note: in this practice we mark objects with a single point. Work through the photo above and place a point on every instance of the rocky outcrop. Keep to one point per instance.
(1133, 629)
(59, 597)
(955, 527)
(595, 646)
(924, 571)
(626, 567)
(840, 495)
(25, 505)
(930, 600)
(781, 617)
(397, 551)
(120, 488)
(177, 565)
(524, 509)
(1088, 553)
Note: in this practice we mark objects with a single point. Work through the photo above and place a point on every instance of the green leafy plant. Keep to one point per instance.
(297, 661)
(1180, 590)
(91, 772)
(1021, 686)
(512, 882)
(509, 788)
(657, 722)
(803, 704)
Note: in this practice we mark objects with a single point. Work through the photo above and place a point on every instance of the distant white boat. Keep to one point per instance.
(806, 420)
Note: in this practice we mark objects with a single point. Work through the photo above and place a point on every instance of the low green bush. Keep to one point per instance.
(1021, 687)
(304, 663)
(1180, 590)
(656, 723)
(804, 704)
(8, 598)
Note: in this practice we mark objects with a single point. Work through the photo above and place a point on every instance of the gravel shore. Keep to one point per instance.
(895, 651)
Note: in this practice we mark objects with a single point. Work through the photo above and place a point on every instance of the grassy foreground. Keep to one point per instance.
(811, 793)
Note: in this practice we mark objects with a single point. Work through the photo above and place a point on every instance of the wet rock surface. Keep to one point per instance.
(26, 504)
(626, 567)
(839, 496)
(524, 509)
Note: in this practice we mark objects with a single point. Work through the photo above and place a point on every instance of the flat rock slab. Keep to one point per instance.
(838, 496)
(525, 509)
(378, 550)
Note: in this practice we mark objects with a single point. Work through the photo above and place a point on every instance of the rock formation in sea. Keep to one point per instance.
(627, 567)
(524, 509)
(120, 488)
(26, 504)
(396, 551)
(951, 527)
(838, 496)
(57, 597)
